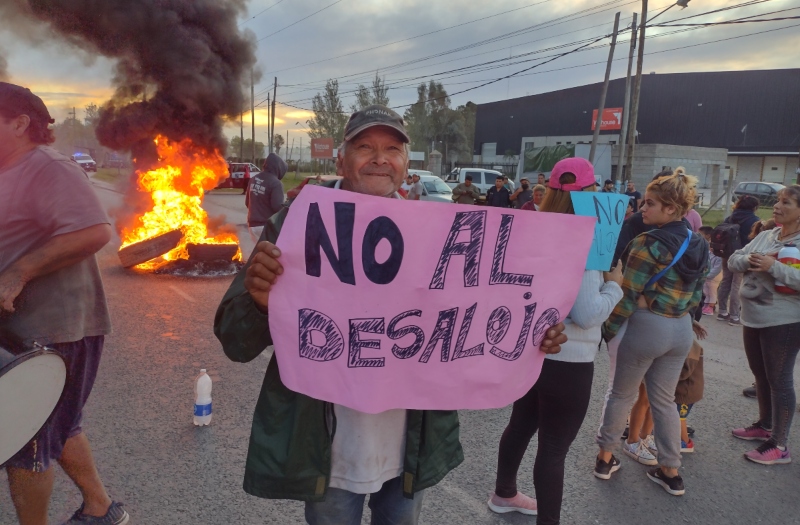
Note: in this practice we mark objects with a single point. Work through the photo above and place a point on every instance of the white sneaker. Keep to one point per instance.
(650, 443)
(639, 452)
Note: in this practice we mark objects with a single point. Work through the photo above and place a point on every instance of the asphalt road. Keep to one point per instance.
(167, 471)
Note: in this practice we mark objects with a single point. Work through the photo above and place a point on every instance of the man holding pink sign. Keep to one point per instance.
(379, 340)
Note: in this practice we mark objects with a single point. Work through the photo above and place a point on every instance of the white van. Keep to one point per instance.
(482, 178)
(421, 173)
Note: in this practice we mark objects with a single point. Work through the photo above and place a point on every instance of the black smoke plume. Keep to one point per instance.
(180, 65)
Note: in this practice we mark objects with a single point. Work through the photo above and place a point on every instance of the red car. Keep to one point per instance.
(239, 174)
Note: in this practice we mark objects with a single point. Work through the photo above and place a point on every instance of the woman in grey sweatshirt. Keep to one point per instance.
(771, 332)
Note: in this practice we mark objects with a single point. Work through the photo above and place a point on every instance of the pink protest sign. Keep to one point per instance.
(387, 303)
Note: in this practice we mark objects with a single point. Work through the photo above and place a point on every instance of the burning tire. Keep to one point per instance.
(212, 252)
(148, 249)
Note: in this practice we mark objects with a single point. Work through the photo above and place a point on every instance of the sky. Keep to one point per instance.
(305, 42)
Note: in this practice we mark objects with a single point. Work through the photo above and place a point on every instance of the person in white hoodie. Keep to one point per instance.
(770, 298)
(556, 405)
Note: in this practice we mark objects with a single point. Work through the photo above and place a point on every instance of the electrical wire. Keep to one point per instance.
(298, 21)
(411, 37)
(593, 63)
(259, 13)
(542, 25)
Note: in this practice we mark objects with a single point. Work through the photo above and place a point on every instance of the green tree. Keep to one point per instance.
(91, 114)
(246, 150)
(432, 124)
(329, 116)
(468, 112)
(278, 141)
(379, 94)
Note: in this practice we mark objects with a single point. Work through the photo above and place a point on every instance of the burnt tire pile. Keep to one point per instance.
(149, 249)
(154, 247)
(211, 252)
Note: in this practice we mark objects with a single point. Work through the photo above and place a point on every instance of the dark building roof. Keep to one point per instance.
(687, 109)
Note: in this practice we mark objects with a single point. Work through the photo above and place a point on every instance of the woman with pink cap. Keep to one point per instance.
(556, 405)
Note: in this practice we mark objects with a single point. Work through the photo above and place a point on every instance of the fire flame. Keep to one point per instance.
(176, 188)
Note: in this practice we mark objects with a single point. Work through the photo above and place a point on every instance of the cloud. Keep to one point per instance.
(365, 28)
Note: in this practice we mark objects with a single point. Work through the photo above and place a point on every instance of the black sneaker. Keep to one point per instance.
(625, 433)
(750, 392)
(673, 486)
(115, 515)
(604, 469)
(690, 431)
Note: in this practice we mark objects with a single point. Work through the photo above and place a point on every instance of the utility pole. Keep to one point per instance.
(272, 127)
(636, 93)
(286, 145)
(602, 106)
(623, 135)
(241, 136)
(253, 115)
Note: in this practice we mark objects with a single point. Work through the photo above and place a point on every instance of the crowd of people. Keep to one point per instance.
(646, 308)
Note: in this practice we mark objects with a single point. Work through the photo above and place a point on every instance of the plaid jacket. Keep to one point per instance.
(670, 296)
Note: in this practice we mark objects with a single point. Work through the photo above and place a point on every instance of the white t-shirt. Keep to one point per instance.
(405, 186)
(368, 449)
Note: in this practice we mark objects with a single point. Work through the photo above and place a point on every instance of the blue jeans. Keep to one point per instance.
(388, 506)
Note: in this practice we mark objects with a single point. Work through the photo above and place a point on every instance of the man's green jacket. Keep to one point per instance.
(289, 456)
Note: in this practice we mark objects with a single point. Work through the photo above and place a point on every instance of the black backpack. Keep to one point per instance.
(725, 239)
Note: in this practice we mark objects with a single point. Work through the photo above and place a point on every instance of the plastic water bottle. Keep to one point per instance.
(202, 399)
(790, 256)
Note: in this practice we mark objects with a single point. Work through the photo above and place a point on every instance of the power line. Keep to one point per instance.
(593, 63)
(411, 37)
(260, 13)
(542, 25)
(297, 22)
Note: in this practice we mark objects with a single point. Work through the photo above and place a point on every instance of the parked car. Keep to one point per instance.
(435, 190)
(85, 161)
(482, 178)
(239, 174)
(329, 181)
(765, 192)
(420, 172)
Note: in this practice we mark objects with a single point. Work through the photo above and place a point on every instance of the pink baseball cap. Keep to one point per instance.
(581, 168)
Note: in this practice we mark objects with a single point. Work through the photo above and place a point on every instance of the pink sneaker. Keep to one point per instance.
(769, 454)
(519, 503)
(753, 432)
(708, 310)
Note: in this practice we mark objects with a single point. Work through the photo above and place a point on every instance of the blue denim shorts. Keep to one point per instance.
(82, 359)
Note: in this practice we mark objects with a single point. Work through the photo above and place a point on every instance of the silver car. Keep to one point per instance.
(434, 189)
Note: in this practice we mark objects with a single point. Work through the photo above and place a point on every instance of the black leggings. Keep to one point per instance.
(771, 353)
(555, 406)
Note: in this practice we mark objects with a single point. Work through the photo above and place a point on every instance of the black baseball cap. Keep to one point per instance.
(18, 100)
(375, 115)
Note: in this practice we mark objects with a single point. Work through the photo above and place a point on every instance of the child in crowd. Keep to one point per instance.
(689, 391)
(714, 275)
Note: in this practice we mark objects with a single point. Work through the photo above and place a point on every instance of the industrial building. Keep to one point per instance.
(744, 123)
